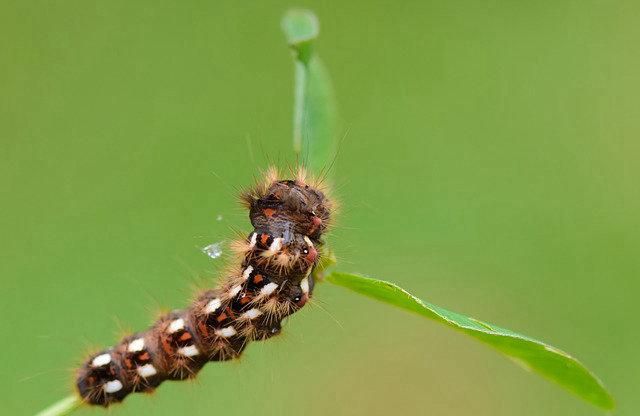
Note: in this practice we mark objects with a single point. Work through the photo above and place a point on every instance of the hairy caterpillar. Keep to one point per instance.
(271, 281)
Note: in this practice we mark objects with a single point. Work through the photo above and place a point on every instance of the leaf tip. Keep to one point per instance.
(301, 27)
(607, 402)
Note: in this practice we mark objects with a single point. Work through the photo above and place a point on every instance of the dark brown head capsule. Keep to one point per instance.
(291, 207)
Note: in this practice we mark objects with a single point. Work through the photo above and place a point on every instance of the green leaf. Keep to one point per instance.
(532, 354)
(314, 112)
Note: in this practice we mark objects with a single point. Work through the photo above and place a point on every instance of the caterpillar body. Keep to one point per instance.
(271, 280)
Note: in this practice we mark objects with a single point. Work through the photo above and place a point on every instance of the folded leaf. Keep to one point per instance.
(314, 110)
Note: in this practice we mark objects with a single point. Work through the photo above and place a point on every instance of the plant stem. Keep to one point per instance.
(62, 407)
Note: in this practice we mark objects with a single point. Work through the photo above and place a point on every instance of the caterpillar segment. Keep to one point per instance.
(273, 279)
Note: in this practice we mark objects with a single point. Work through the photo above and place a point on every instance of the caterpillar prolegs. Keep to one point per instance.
(271, 280)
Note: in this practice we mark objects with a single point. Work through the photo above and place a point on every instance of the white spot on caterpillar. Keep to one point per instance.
(146, 370)
(275, 246)
(247, 272)
(226, 332)
(254, 240)
(235, 290)
(212, 306)
(252, 313)
(188, 351)
(112, 386)
(136, 345)
(176, 326)
(101, 360)
(304, 285)
(268, 289)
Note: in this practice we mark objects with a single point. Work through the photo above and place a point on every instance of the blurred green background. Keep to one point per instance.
(490, 166)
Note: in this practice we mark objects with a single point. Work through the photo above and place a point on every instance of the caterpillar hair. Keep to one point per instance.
(271, 280)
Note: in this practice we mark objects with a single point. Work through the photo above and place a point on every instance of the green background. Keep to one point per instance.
(490, 166)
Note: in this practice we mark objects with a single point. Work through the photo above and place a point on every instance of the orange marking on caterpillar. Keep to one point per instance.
(203, 328)
(166, 346)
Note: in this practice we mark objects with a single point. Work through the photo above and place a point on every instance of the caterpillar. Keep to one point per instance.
(271, 279)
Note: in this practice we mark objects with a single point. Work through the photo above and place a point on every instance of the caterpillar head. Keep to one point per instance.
(289, 206)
